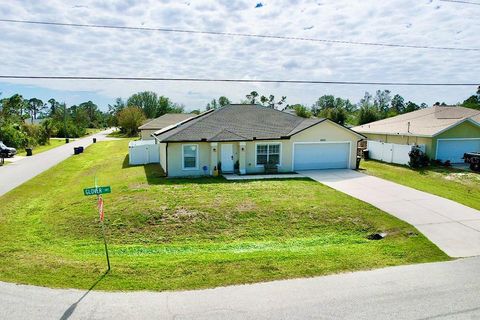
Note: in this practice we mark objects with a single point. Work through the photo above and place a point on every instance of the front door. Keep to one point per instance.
(227, 158)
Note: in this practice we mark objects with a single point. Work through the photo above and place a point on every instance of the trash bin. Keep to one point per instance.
(2, 161)
(29, 151)
(67, 140)
(80, 149)
(76, 150)
(357, 165)
(366, 154)
(94, 140)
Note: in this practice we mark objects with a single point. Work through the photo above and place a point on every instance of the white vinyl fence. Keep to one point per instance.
(391, 152)
(143, 152)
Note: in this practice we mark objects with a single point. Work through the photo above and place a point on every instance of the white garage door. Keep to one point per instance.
(312, 156)
(454, 149)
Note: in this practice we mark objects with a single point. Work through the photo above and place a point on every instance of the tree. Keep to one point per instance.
(223, 101)
(397, 105)
(301, 110)
(35, 106)
(130, 118)
(12, 108)
(335, 109)
(473, 101)
(382, 100)
(148, 101)
(252, 97)
(271, 103)
(153, 105)
(212, 105)
(54, 105)
(368, 112)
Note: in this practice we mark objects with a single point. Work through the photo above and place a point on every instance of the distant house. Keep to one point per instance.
(162, 122)
(446, 131)
(243, 138)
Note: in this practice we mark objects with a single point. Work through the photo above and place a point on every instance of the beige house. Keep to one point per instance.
(446, 131)
(243, 138)
(162, 122)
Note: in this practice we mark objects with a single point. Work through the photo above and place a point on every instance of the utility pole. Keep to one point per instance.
(65, 121)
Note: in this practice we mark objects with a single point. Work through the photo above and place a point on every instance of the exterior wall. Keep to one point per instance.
(463, 130)
(410, 140)
(147, 134)
(175, 159)
(328, 131)
(163, 156)
(323, 132)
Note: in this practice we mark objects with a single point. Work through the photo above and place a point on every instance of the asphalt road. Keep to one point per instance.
(15, 174)
(447, 290)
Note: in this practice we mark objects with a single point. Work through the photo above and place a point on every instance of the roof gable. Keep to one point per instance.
(426, 122)
(166, 120)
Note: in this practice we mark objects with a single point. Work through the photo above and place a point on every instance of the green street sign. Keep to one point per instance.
(98, 190)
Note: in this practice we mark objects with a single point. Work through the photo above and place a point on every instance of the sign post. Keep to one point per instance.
(98, 191)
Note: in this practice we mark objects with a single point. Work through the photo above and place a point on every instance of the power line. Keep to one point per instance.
(241, 80)
(460, 1)
(233, 34)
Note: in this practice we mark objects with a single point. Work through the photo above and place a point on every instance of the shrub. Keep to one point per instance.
(12, 136)
(418, 159)
(70, 131)
(36, 135)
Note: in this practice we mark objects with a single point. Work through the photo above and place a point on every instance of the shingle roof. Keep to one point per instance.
(165, 121)
(238, 122)
(425, 122)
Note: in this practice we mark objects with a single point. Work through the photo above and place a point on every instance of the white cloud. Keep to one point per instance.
(50, 50)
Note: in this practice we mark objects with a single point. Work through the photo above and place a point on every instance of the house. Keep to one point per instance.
(162, 122)
(243, 138)
(446, 131)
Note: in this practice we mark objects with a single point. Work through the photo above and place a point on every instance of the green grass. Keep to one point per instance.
(119, 134)
(167, 234)
(90, 131)
(39, 149)
(457, 185)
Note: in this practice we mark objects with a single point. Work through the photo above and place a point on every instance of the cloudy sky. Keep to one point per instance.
(67, 51)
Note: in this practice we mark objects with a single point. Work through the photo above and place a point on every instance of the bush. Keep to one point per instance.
(36, 135)
(12, 136)
(70, 131)
(418, 159)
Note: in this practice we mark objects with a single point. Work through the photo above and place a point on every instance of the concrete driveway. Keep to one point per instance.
(25, 169)
(453, 227)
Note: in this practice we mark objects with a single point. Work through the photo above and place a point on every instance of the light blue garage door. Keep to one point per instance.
(453, 150)
(312, 156)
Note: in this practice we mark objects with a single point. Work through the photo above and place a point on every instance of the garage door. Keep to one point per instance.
(453, 150)
(312, 156)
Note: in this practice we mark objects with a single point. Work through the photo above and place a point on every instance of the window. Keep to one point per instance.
(268, 153)
(190, 156)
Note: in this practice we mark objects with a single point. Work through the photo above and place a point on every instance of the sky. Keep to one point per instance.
(67, 51)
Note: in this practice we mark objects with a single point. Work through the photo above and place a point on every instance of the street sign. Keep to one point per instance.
(96, 191)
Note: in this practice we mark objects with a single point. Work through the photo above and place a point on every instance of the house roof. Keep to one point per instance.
(237, 122)
(426, 122)
(165, 121)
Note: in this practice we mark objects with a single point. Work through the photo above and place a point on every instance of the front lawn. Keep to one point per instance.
(53, 143)
(167, 234)
(457, 185)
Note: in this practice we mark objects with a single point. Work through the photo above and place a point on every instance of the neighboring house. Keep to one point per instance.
(447, 132)
(162, 122)
(243, 138)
